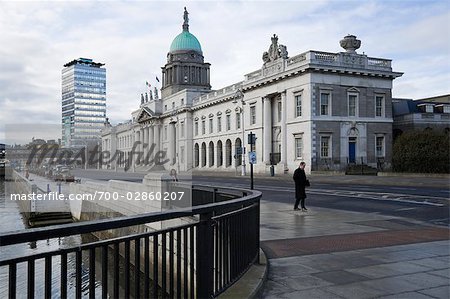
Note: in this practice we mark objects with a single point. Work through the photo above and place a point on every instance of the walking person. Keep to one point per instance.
(300, 183)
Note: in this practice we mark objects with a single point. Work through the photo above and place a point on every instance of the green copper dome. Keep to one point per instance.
(185, 41)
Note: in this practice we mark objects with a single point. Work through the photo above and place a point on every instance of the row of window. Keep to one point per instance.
(352, 104)
(325, 146)
(238, 122)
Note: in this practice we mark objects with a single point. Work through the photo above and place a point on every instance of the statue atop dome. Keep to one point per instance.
(186, 20)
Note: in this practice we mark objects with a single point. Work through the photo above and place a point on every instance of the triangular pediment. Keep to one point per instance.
(353, 89)
(145, 114)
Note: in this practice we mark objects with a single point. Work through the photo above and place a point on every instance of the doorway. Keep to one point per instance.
(352, 150)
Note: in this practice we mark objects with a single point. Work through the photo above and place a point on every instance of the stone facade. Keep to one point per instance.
(327, 109)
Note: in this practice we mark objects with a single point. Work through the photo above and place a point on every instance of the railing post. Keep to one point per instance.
(205, 256)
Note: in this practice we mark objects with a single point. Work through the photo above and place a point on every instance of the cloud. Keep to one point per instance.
(133, 38)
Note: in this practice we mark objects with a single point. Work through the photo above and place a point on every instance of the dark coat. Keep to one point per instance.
(300, 183)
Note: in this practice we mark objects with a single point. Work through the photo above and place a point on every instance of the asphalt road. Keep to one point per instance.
(421, 203)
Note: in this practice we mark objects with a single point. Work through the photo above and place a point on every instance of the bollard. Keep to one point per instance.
(48, 188)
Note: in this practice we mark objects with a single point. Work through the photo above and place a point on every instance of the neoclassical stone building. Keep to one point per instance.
(327, 109)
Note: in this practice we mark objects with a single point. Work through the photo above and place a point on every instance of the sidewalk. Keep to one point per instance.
(333, 178)
(326, 253)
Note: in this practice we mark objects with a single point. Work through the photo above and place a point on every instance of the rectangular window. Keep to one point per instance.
(324, 103)
(379, 106)
(298, 147)
(173, 105)
(182, 102)
(279, 110)
(238, 121)
(165, 133)
(380, 146)
(325, 146)
(219, 124)
(253, 115)
(228, 122)
(446, 109)
(203, 127)
(182, 129)
(429, 108)
(298, 105)
(211, 125)
(196, 128)
(352, 104)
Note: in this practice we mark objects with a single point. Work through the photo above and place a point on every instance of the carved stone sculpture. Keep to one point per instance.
(275, 51)
(350, 43)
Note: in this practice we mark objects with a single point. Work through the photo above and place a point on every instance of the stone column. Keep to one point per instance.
(151, 142)
(157, 141)
(145, 144)
(267, 129)
(283, 131)
(135, 159)
(141, 146)
(172, 149)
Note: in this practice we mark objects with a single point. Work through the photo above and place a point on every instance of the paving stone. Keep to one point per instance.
(387, 270)
(316, 293)
(407, 295)
(444, 273)
(340, 277)
(432, 263)
(290, 271)
(392, 285)
(303, 282)
(273, 288)
(425, 280)
(354, 290)
(439, 292)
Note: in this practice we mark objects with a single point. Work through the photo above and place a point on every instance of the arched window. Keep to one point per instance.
(228, 153)
(238, 149)
(219, 153)
(203, 154)
(196, 155)
(211, 154)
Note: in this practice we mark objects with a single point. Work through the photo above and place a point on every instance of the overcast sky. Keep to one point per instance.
(133, 38)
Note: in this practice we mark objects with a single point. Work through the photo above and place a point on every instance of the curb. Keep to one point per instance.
(250, 284)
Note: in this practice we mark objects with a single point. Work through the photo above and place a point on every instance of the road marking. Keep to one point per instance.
(405, 209)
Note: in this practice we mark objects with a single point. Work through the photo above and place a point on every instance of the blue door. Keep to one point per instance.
(352, 152)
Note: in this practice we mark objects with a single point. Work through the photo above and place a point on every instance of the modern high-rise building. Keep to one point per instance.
(83, 102)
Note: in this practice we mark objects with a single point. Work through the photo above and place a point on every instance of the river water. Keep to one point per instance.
(11, 220)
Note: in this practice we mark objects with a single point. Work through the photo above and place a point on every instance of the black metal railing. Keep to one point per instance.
(195, 260)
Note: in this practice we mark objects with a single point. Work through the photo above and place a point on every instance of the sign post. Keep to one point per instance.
(251, 156)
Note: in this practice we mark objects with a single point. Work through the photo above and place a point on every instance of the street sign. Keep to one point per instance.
(252, 157)
(251, 138)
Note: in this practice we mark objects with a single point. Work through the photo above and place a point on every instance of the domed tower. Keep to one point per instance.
(185, 67)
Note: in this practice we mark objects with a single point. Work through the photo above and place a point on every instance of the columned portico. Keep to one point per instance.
(267, 129)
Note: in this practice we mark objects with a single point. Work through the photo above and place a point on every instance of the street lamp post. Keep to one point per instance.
(240, 95)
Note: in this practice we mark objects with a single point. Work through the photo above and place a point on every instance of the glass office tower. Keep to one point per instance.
(83, 102)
